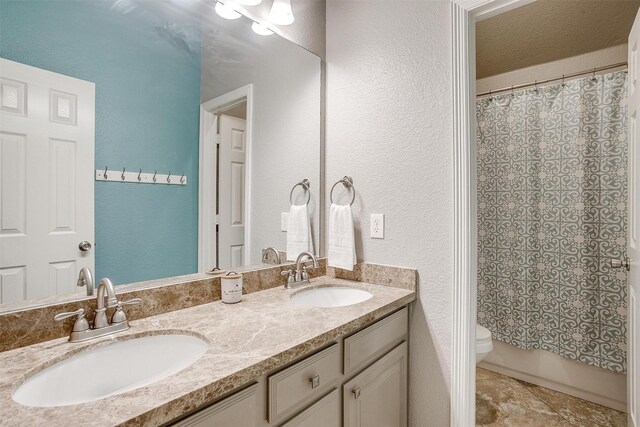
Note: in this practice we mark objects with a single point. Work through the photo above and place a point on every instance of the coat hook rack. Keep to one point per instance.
(139, 177)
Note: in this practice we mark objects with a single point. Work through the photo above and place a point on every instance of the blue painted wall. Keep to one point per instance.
(147, 80)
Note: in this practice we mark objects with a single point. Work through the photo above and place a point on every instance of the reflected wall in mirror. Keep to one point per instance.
(148, 86)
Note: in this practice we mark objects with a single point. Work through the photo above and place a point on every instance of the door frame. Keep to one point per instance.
(464, 15)
(207, 175)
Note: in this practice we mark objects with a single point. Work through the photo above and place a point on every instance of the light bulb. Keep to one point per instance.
(281, 12)
(261, 29)
(249, 2)
(226, 11)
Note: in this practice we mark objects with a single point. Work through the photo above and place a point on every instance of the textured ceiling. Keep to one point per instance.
(548, 30)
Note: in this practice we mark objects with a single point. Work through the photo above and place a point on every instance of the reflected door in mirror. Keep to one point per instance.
(232, 240)
(46, 181)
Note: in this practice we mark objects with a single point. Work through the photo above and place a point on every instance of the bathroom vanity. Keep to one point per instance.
(363, 376)
(269, 361)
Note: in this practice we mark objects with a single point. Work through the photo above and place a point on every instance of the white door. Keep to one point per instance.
(46, 181)
(633, 357)
(231, 188)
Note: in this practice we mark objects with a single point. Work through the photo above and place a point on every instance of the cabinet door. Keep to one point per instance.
(324, 413)
(237, 410)
(377, 397)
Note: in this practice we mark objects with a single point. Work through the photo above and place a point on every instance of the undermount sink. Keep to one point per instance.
(106, 371)
(330, 296)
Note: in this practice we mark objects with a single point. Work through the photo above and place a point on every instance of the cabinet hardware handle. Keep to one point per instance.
(356, 393)
(315, 381)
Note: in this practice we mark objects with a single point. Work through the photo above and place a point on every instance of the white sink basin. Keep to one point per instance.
(110, 370)
(330, 296)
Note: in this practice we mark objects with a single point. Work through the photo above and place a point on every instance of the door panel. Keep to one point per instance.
(232, 188)
(47, 136)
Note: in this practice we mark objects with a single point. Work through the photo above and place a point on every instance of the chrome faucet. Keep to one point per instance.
(83, 330)
(265, 252)
(85, 278)
(100, 321)
(300, 275)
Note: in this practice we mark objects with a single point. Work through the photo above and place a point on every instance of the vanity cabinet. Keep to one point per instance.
(239, 409)
(358, 381)
(378, 395)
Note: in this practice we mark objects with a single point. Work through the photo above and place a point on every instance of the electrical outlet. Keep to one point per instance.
(377, 226)
(284, 221)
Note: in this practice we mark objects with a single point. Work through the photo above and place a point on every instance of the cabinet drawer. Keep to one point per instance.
(302, 381)
(324, 413)
(239, 409)
(372, 342)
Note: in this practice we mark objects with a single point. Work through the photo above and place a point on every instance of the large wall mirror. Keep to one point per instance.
(204, 129)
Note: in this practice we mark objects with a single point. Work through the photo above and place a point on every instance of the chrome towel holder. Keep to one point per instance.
(304, 184)
(347, 181)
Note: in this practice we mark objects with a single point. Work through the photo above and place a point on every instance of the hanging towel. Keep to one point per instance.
(298, 231)
(342, 242)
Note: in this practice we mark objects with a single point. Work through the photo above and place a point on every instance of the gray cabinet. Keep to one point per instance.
(239, 409)
(358, 381)
(327, 412)
(378, 395)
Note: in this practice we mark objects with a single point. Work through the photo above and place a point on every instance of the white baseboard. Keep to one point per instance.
(552, 371)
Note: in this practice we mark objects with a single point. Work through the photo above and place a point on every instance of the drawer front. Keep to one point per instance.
(372, 342)
(300, 382)
(240, 409)
(324, 413)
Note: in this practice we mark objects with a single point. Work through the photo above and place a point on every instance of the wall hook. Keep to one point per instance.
(169, 177)
(182, 178)
(105, 171)
(139, 177)
(154, 175)
(122, 176)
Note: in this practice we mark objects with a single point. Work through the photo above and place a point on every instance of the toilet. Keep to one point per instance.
(484, 345)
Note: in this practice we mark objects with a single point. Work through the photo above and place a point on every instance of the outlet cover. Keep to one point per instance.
(377, 226)
(284, 221)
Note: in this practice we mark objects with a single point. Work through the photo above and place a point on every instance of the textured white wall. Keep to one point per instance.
(389, 127)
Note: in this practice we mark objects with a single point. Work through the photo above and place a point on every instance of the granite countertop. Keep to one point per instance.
(246, 340)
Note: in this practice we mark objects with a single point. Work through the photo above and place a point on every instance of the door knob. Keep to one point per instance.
(84, 246)
(620, 263)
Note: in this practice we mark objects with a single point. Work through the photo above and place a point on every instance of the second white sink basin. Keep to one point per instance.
(106, 371)
(330, 296)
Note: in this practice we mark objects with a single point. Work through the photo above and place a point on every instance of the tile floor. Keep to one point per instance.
(503, 401)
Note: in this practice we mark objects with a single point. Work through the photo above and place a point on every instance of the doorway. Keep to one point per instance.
(464, 17)
(225, 174)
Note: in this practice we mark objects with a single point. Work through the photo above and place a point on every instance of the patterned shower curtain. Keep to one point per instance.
(552, 212)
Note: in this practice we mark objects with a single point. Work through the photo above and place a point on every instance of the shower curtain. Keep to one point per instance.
(552, 212)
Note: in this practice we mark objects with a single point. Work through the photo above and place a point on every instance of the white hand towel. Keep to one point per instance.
(342, 241)
(298, 231)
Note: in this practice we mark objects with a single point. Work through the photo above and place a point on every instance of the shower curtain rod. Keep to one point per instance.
(563, 77)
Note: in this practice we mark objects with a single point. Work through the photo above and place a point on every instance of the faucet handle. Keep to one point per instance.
(119, 316)
(291, 277)
(133, 301)
(81, 324)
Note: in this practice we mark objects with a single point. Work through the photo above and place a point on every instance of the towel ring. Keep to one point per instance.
(347, 181)
(304, 184)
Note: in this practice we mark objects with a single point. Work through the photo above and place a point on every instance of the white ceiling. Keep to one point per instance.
(548, 30)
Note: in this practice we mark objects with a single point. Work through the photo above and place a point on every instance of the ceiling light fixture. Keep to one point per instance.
(281, 12)
(261, 29)
(226, 10)
(249, 2)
